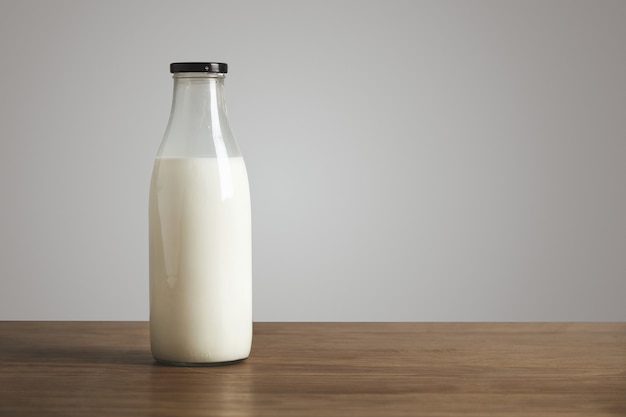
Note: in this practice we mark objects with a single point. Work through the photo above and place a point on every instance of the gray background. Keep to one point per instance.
(408, 161)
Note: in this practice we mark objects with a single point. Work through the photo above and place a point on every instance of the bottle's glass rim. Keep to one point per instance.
(198, 75)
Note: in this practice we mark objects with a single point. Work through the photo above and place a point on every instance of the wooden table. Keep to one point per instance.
(321, 369)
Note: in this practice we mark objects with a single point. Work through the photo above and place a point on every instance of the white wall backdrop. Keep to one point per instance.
(409, 161)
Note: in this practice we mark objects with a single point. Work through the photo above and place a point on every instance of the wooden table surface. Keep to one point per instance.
(321, 369)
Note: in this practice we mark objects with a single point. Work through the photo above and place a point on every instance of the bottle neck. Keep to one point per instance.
(200, 97)
(198, 124)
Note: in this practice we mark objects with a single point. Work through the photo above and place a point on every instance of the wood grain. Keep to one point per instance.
(321, 369)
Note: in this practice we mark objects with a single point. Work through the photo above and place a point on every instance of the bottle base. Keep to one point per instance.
(188, 364)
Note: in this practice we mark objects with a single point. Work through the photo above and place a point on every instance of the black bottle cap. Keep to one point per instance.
(218, 67)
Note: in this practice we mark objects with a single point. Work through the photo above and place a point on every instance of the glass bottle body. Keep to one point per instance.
(200, 232)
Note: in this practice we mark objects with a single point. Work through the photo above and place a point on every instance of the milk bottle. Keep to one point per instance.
(200, 233)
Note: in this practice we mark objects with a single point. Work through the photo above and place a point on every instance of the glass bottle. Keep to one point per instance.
(200, 231)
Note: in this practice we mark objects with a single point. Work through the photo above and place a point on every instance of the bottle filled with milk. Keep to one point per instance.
(200, 233)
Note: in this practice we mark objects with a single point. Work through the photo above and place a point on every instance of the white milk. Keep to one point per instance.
(200, 260)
